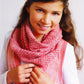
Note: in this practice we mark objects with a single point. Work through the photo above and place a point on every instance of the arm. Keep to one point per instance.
(70, 74)
(3, 61)
(11, 76)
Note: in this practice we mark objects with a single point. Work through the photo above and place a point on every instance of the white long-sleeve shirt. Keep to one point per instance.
(69, 70)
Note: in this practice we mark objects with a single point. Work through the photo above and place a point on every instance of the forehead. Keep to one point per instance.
(51, 6)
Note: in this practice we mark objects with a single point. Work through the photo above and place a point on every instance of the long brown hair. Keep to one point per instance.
(65, 24)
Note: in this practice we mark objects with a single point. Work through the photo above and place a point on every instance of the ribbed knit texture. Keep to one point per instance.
(48, 54)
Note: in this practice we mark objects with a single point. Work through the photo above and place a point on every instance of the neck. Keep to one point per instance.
(39, 37)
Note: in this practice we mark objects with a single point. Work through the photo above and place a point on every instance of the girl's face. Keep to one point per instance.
(45, 16)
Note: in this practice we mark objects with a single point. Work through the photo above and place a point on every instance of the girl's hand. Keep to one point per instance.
(20, 74)
(38, 76)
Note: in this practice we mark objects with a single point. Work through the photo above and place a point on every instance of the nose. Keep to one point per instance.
(46, 19)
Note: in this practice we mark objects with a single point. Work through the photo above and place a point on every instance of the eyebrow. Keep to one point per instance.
(45, 9)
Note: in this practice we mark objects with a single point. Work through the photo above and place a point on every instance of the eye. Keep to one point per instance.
(55, 13)
(40, 10)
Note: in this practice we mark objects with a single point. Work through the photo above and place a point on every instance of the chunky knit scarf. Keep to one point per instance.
(48, 54)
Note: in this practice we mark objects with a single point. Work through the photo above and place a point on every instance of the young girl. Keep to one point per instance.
(40, 48)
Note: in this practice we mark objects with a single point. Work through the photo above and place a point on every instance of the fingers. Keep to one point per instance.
(27, 80)
(28, 70)
(32, 79)
(24, 72)
(37, 72)
(27, 75)
(24, 80)
(33, 74)
(20, 74)
(30, 82)
(26, 66)
(41, 71)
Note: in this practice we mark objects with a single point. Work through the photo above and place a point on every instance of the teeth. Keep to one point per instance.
(44, 27)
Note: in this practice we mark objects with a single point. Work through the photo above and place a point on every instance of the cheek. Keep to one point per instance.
(34, 17)
(56, 20)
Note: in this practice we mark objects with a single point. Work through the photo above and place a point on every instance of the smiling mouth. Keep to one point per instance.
(42, 27)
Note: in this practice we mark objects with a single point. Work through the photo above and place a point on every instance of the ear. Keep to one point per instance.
(27, 9)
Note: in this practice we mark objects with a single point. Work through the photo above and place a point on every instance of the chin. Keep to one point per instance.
(43, 32)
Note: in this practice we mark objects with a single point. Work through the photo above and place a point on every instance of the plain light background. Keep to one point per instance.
(9, 14)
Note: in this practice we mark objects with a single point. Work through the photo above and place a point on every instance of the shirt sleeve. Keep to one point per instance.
(69, 70)
(3, 61)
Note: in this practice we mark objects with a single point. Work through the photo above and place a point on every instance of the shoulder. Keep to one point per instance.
(8, 34)
(69, 57)
(69, 54)
(6, 39)
(69, 48)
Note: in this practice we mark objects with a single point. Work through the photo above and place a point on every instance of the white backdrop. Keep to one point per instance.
(9, 13)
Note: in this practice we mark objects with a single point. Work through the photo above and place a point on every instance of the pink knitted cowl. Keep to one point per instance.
(47, 54)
